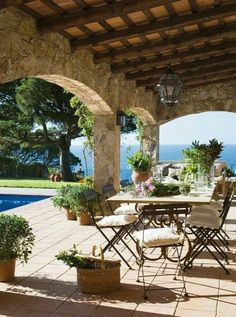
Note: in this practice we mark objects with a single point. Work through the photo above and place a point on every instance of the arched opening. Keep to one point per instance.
(95, 104)
(177, 134)
(133, 141)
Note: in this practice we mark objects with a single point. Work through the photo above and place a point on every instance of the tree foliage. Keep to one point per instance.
(54, 119)
(37, 122)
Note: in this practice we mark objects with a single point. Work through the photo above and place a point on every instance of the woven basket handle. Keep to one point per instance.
(101, 255)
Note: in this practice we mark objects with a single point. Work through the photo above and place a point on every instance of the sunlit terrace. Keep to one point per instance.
(46, 287)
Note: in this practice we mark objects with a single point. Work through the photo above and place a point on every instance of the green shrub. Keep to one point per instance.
(140, 162)
(16, 238)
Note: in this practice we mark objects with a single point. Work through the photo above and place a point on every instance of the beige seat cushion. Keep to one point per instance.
(125, 209)
(213, 208)
(206, 221)
(117, 220)
(157, 237)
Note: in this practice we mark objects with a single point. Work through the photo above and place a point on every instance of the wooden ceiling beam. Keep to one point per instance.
(210, 80)
(159, 45)
(198, 83)
(11, 3)
(111, 10)
(200, 63)
(157, 26)
(178, 57)
(189, 75)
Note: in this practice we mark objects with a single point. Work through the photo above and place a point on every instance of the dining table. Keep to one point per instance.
(198, 196)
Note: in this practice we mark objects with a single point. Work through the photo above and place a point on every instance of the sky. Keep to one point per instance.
(203, 127)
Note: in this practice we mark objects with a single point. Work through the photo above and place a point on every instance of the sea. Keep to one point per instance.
(168, 152)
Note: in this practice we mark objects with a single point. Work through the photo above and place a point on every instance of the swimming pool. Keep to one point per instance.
(13, 201)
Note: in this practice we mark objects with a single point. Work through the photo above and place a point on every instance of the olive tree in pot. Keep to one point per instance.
(141, 164)
(78, 204)
(16, 242)
(62, 201)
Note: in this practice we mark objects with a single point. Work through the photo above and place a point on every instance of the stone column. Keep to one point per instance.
(106, 151)
(151, 141)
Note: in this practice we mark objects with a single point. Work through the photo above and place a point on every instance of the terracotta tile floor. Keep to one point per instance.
(46, 287)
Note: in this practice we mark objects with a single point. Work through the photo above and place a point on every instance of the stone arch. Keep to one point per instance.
(217, 97)
(92, 99)
(144, 115)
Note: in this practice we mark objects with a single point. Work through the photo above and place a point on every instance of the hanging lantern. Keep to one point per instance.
(169, 87)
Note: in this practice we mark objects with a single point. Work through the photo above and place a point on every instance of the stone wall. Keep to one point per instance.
(217, 97)
(25, 52)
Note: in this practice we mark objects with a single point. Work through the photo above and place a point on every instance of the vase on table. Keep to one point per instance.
(139, 177)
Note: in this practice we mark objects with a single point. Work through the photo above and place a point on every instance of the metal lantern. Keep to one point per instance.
(169, 87)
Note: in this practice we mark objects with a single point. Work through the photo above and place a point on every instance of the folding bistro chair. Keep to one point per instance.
(164, 230)
(118, 225)
(207, 226)
(108, 190)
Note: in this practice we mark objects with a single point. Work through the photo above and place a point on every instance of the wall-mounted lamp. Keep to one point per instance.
(120, 118)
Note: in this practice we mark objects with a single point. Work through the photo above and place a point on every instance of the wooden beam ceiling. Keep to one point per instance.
(184, 66)
(189, 75)
(113, 9)
(140, 37)
(198, 83)
(210, 80)
(175, 57)
(157, 26)
(10, 3)
(159, 45)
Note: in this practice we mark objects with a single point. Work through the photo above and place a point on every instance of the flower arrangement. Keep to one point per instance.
(152, 187)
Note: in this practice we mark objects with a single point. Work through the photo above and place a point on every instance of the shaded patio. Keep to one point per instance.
(111, 54)
(46, 287)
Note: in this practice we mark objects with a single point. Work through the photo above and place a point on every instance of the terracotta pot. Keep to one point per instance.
(7, 270)
(52, 177)
(84, 218)
(69, 214)
(138, 177)
(57, 178)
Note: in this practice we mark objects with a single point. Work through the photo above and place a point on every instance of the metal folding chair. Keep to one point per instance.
(118, 225)
(207, 228)
(108, 190)
(163, 229)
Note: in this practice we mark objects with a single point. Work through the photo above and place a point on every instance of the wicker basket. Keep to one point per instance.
(105, 277)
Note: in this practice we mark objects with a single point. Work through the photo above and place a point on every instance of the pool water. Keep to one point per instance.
(14, 201)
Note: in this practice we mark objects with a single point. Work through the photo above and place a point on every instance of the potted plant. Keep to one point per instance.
(201, 157)
(54, 174)
(78, 204)
(62, 200)
(141, 164)
(16, 242)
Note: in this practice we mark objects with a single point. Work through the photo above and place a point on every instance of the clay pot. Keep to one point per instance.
(84, 218)
(7, 270)
(138, 177)
(52, 177)
(69, 214)
(57, 178)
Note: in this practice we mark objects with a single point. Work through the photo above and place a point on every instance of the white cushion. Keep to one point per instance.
(125, 209)
(117, 220)
(172, 172)
(205, 221)
(157, 237)
(218, 169)
(213, 208)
